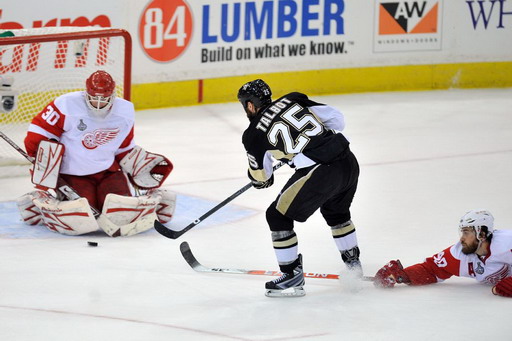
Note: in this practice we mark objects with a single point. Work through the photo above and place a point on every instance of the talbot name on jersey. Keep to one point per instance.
(270, 113)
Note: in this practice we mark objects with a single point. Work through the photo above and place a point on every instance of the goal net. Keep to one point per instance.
(37, 65)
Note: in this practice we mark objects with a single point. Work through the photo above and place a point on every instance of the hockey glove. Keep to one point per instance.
(263, 184)
(146, 170)
(47, 164)
(503, 288)
(391, 274)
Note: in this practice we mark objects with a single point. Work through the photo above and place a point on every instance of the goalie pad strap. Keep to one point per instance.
(47, 164)
(166, 206)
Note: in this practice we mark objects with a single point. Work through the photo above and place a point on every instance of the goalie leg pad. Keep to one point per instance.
(67, 217)
(46, 168)
(127, 216)
(166, 206)
(146, 170)
(28, 210)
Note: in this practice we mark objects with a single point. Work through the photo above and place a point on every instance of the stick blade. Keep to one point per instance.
(190, 258)
(164, 231)
(192, 261)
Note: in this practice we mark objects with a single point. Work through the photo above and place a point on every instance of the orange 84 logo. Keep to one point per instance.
(165, 29)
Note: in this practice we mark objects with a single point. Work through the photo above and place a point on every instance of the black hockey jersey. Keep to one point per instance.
(286, 128)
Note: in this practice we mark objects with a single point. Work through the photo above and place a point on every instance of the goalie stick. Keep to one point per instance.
(194, 264)
(62, 186)
(172, 234)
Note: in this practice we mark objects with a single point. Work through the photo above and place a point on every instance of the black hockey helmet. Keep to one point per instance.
(256, 91)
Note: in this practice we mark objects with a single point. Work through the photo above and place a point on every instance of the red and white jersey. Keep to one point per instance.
(91, 143)
(489, 269)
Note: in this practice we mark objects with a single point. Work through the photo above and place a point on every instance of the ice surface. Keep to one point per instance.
(426, 158)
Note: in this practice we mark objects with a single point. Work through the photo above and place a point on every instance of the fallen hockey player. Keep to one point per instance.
(482, 253)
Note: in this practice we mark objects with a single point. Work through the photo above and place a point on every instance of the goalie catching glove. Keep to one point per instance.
(146, 170)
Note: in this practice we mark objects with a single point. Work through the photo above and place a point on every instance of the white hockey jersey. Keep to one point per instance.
(492, 268)
(91, 143)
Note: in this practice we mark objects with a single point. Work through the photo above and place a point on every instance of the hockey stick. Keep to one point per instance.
(194, 264)
(62, 186)
(166, 232)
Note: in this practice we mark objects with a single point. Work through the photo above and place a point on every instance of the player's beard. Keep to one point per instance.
(250, 115)
(468, 249)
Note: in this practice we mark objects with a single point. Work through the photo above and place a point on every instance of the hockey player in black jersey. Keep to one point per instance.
(307, 135)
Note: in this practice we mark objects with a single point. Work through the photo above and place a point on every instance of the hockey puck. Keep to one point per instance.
(92, 243)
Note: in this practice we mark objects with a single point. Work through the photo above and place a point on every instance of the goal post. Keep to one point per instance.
(37, 65)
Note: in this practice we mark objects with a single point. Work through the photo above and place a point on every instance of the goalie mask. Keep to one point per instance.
(479, 220)
(99, 93)
(258, 92)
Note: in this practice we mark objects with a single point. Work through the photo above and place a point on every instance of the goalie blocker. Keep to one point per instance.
(45, 171)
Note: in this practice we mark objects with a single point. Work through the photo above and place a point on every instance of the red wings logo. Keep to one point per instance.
(498, 275)
(99, 137)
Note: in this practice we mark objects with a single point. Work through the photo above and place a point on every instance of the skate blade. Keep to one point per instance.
(290, 292)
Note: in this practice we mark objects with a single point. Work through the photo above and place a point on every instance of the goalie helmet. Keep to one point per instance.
(258, 92)
(479, 220)
(99, 93)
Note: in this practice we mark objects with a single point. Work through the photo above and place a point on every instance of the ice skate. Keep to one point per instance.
(351, 260)
(353, 275)
(290, 284)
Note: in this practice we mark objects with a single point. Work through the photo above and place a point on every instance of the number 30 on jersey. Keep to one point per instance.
(50, 115)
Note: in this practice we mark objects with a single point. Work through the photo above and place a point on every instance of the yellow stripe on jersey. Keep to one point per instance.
(286, 198)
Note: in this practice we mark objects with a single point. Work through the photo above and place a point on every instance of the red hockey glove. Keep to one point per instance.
(390, 274)
(503, 288)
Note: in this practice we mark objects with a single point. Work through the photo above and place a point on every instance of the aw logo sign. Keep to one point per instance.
(165, 29)
(402, 18)
(407, 25)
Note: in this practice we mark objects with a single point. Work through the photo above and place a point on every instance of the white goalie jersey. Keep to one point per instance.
(91, 143)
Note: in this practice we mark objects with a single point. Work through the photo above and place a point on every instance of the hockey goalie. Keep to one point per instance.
(84, 140)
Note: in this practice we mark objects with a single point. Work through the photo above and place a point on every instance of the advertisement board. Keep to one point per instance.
(184, 40)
